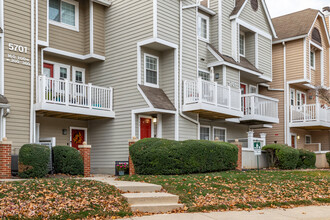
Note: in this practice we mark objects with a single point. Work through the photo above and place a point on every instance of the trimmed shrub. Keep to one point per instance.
(67, 160)
(306, 160)
(328, 157)
(33, 161)
(282, 156)
(165, 157)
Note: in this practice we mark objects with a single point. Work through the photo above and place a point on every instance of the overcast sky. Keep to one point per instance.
(282, 7)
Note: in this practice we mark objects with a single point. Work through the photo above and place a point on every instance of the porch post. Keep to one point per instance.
(85, 151)
(263, 137)
(131, 165)
(250, 140)
(5, 159)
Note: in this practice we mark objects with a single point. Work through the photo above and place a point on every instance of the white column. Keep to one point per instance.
(159, 126)
(263, 137)
(250, 139)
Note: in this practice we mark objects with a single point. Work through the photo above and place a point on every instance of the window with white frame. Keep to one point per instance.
(151, 70)
(204, 75)
(78, 75)
(312, 60)
(219, 134)
(308, 139)
(203, 27)
(301, 98)
(59, 70)
(242, 44)
(205, 133)
(292, 100)
(253, 89)
(64, 13)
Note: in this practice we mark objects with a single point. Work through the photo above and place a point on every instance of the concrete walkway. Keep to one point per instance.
(308, 212)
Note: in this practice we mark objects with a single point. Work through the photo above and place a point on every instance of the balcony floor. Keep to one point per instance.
(311, 125)
(258, 119)
(72, 112)
(212, 111)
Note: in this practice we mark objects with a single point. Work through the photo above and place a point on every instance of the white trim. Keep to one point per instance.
(205, 126)
(240, 11)
(224, 75)
(234, 40)
(159, 125)
(56, 69)
(155, 17)
(91, 27)
(139, 65)
(74, 55)
(269, 18)
(239, 44)
(78, 128)
(290, 39)
(157, 40)
(219, 128)
(47, 23)
(32, 112)
(312, 65)
(305, 59)
(300, 94)
(67, 26)
(199, 23)
(145, 70)
(152, 125)
(295, 139)
(324, 25)
(37, 132)
(74, 69)
(103, 2)
(256, 49)
(205, 71)
(43, 43)
(145, 97)
(322, 67)
(219, 63)
(254, 29)
(220, 26)
(206, 10)
(310, 136)
(294, 96)
(215, 54)
(2, 48)
(255, 87)
(316, 45)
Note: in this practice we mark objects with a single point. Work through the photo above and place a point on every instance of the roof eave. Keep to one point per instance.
(106, 3)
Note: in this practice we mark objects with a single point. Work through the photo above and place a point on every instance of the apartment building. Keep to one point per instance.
(103, 72)
(300, 66)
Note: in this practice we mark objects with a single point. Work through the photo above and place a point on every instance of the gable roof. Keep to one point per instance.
(295, 24)
(3, 100)
(157, 98)
(239, 4)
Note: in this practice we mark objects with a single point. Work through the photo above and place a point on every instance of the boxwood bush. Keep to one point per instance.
(67, 160)
(165, 157)
(33, 161)
(328, 157)
(282, 156)
(306, 160)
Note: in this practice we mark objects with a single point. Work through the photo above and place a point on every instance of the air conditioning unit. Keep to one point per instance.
(49, 142)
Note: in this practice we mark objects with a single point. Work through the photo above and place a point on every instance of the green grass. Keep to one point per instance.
(60, 199)
(245, 190)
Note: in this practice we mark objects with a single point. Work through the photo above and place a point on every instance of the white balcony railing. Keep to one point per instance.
(64, 92)
(310, 113)
(259, 105)
(202, 91)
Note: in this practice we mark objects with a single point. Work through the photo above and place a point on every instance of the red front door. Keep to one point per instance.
(293, 141)
(145, 128)
(243, 101)
(48, 70)
(78, 137)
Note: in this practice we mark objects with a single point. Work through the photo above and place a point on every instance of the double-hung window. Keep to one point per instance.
(205, 133)
(308, 139)
(204, 75)
(203, 27)
(242, 44)
(312, 59)
(292, 93)
(151, 70)
(64, 13)
(219, 134)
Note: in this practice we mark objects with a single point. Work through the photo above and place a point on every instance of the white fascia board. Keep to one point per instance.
(103, 2)
(239, 12)
(316, 45)
(43, 43)
(219, 63)
(146, 110)
(290, 39)
(260, 126)
(206, 10)
(254, 28)
(74, 55)
(215, 54)
(269, 18)
(157, 40)
(324, 24)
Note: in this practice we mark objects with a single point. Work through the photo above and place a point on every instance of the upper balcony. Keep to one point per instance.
(259, 109)
(211, 100)
(63, 98)
(312, 117)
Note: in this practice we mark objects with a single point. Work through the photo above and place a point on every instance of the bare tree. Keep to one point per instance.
(323, 94)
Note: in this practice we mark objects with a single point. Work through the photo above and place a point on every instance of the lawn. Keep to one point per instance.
(60, 199)
(245, 190)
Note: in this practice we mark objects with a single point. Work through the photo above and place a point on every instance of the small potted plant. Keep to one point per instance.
(121, 168)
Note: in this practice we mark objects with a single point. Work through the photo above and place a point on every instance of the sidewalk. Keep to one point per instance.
(308, 212)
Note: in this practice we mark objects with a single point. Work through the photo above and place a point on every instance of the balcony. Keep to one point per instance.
(311, 117)
(259, 109)
(211, 100)
(62, 98)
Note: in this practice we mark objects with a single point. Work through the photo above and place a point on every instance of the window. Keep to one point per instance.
(301, 98)
(292, 92)
(308, 139)
(56, 70)
(253, 89)
(64, 13)
(151, 70)
(205, 133)
(203, 27)
(219, 133)
(63, 73)
(313, 60)
(78, 75)
(204, 75)
(242, 44)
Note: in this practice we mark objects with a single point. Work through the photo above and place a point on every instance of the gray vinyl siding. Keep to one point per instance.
(167, 75)
(233, 77)
(168, 126)
(214, 24)
(227, 8)
(250, 47)
(98, 20)
(218, 70)
(125, 27)
(168, 21)
(202, 55)
(188, 130)
(258, 18)
(265, 56)
(42, 20)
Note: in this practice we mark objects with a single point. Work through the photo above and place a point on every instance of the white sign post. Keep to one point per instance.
(257, 151)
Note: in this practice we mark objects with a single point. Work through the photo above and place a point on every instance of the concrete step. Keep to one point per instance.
(156, 208)
(134, 187)
(150, 198)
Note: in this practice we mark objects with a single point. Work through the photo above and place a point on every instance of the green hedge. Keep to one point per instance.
(33, 161)
(165, 157)
(307, 159)
(282, 156)
(328, 157)
(67, 160)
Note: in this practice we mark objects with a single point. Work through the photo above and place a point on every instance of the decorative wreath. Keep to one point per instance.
(78, 138)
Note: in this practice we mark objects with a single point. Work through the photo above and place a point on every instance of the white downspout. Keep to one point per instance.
(180, 78)
(32, 130)
(286, 105)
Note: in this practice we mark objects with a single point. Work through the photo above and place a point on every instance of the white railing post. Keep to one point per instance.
(43, 88)
(252, 104)
(250, 140)
(263, 137)
(229, 96)
(184, 92)
(67, 92)
(89, 100)
(200, 90)
(216, 94)
(317, 106)
(291, 113)
(111, 98)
